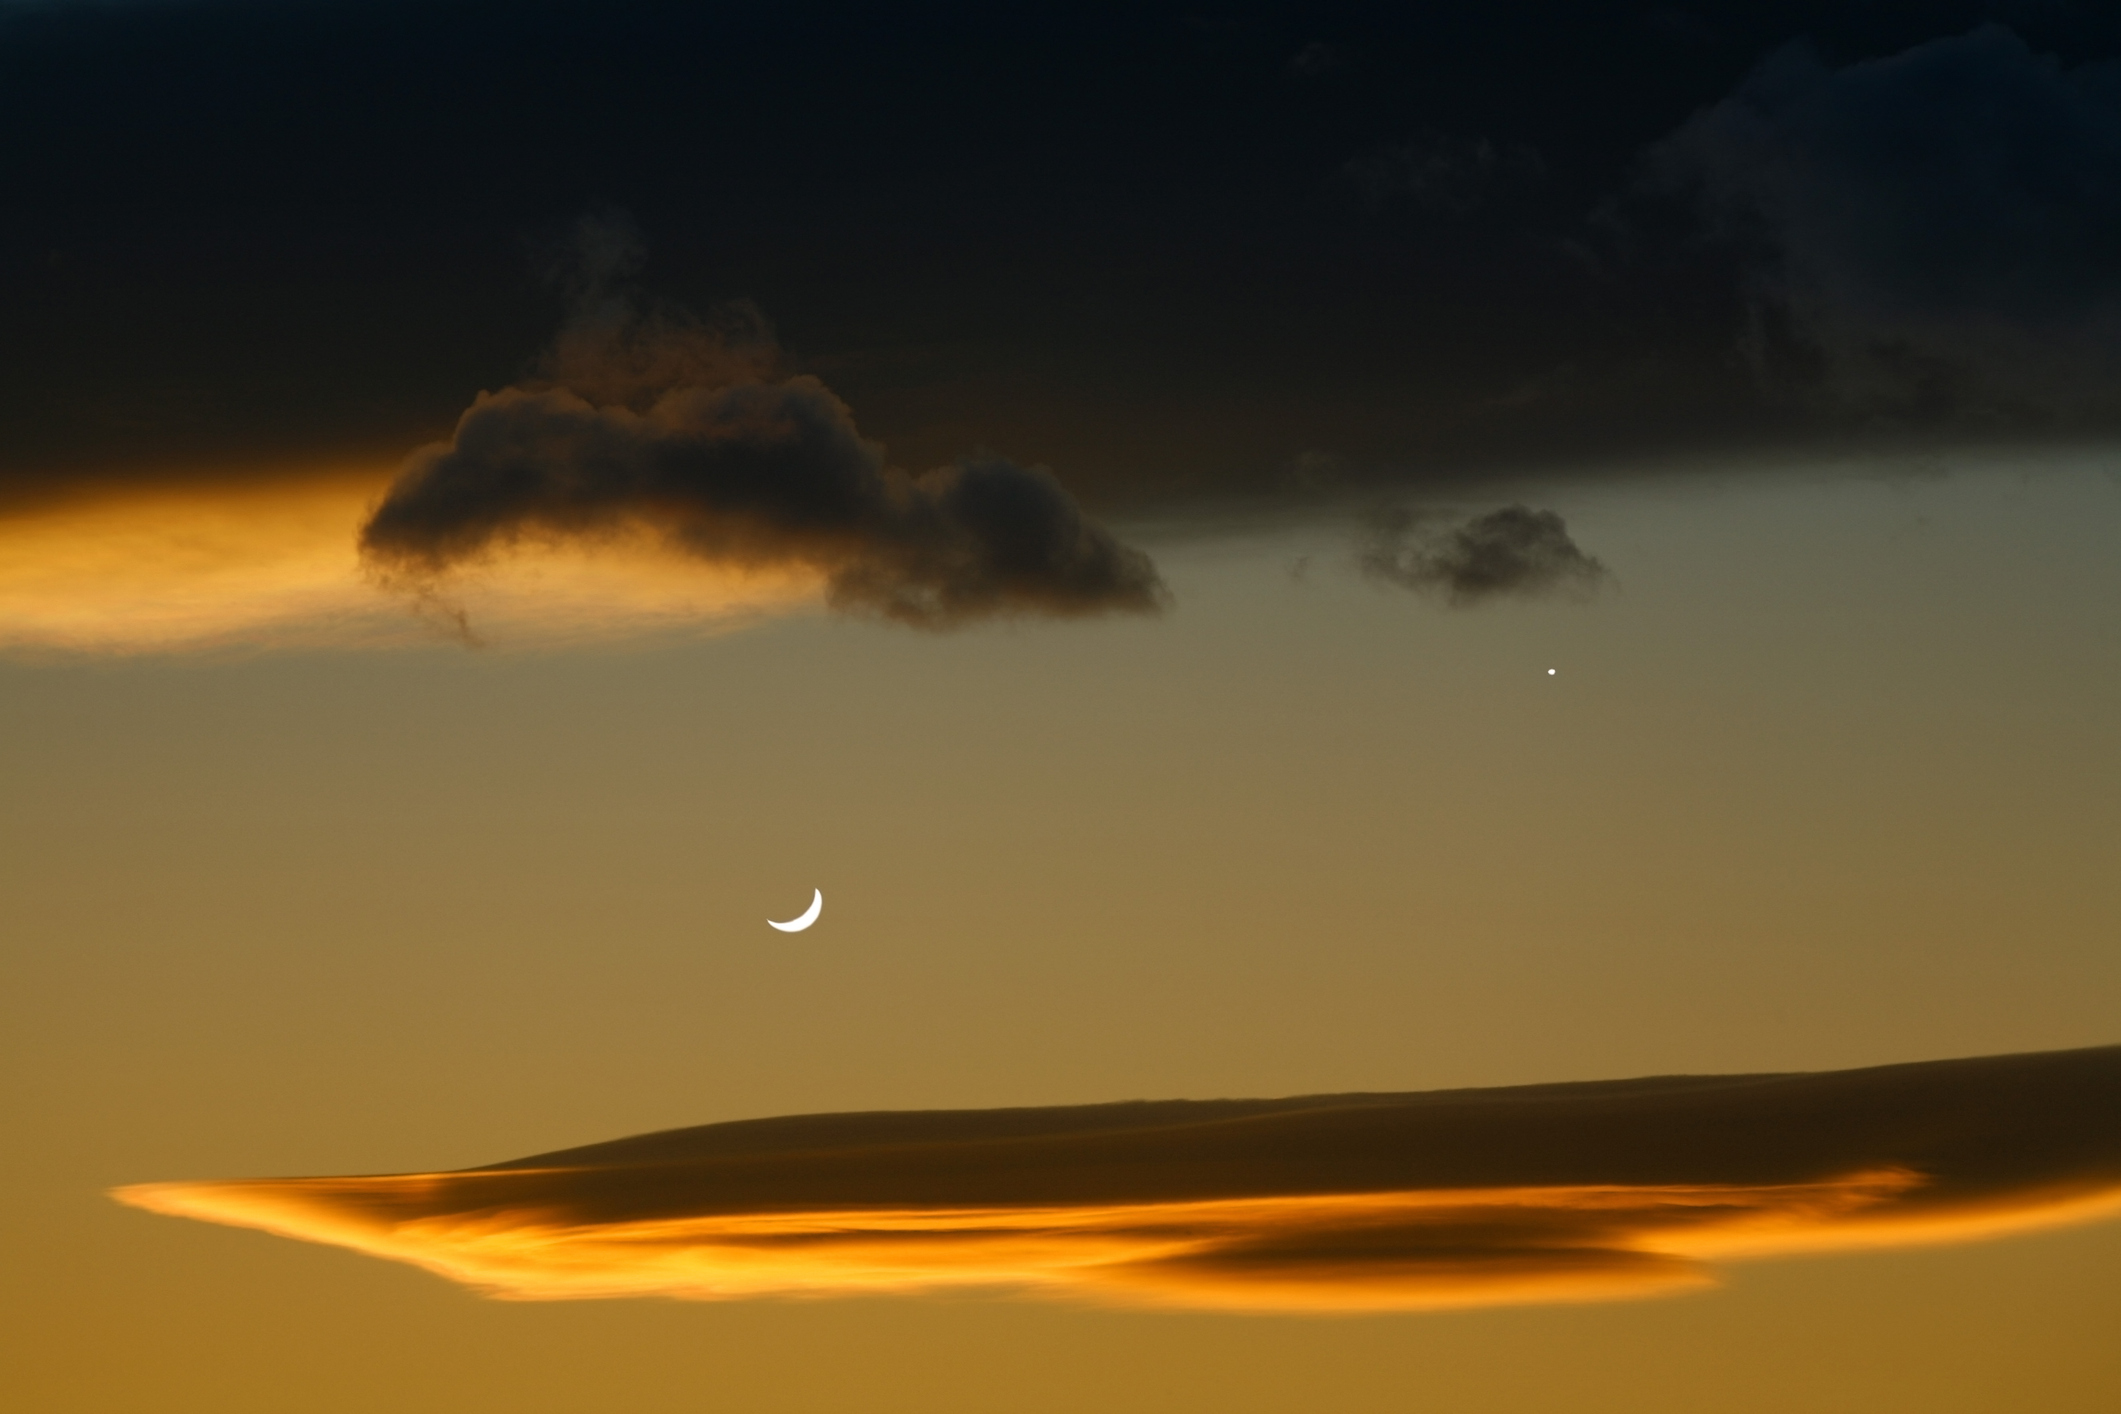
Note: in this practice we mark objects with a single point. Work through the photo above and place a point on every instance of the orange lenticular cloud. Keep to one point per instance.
(1324, 1203)
(277, 564)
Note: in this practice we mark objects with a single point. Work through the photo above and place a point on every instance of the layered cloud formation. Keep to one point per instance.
(1322, 1203)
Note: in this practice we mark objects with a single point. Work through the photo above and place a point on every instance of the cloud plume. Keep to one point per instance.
(1513, 552)
(1339, 1202)
(651, 420)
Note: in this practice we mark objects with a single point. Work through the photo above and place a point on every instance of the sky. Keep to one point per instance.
(1447, 674)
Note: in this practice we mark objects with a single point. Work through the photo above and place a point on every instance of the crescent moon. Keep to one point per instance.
(797, 925)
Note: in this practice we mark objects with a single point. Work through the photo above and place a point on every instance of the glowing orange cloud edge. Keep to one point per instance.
(1412, 1250)
(276, 564)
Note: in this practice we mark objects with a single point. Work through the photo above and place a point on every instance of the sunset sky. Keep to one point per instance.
(1509, 614)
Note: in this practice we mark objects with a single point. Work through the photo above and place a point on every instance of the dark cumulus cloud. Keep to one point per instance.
(1514, 552)
(1933, 232)
(1329, 1202)
(651, 419)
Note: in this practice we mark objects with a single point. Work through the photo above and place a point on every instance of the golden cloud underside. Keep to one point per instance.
(1337, 1202)
(272, 564)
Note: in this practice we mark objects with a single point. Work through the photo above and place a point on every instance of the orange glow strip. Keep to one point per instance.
(1339, 1252)
(275, 565)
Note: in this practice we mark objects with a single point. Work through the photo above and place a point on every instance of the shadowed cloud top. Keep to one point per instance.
(1363, 1201)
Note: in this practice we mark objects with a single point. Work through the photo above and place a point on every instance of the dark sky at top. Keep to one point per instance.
(1156, 245)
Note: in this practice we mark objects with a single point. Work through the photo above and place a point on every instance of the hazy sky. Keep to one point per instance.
(1252, 552)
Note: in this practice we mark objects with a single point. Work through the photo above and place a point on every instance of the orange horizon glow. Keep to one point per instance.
(1395, 1251)
(260, 565)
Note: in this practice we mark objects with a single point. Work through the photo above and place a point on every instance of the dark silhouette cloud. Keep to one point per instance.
(647, 418)
(1364, 1201)
(1929, 234)
(1512, 552)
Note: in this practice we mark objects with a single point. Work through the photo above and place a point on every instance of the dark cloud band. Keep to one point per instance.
(1167, 254)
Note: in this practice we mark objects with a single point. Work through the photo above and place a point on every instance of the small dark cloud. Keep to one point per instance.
(647, 418)
(1512, 552)
(1928, 235)
(1324, 1202)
